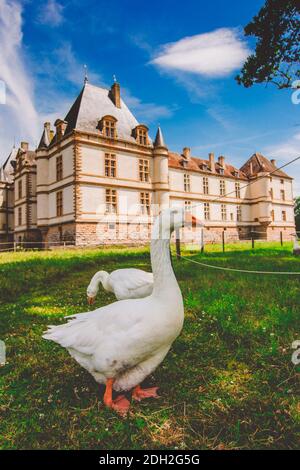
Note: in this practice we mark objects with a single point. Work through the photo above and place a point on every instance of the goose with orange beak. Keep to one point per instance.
(123, 343)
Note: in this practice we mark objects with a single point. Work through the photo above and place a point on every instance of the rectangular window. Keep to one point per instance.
(111, 201)
(144, 170)
(223, 212)
(282, 181)
(238, 213)
(273, 215)
(20, 189)
(186, 183)
(109, 129)
(59, 168)
(110, 165)
(205, 185)
(237, 190)
(222, 188)
(187, 206)
(282, 194)
(20, 216)
(145, 203)
(206, 211)
(271, 193)
(142, 137)
(59, 203)
(284, 216)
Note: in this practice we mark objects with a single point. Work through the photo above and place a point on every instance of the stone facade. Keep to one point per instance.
(99, 179)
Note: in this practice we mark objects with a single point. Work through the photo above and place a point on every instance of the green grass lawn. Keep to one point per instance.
(227, 383)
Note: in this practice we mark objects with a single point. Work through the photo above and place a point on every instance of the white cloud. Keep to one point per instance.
(212, 55)
(51, 13)
(18, 117)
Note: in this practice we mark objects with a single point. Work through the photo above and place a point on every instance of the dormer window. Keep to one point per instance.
(204, 167)
(108, 126)
(184, 163)
(236, 173)
(221, 171)
(140, 133)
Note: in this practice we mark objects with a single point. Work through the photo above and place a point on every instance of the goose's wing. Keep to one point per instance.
(130, 279)
(108, 331)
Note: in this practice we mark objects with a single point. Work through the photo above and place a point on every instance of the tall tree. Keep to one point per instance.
(277, 54)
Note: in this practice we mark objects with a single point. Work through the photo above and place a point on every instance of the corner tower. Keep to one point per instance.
(161, 172)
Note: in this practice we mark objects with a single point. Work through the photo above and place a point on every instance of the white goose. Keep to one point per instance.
(122, 343)
(124, 283)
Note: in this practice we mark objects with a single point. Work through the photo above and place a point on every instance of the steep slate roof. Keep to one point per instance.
(6, 170)
(261, 164)
(196, 164)
(91, 105)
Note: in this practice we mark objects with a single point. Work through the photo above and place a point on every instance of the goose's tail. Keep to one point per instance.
(70, 333)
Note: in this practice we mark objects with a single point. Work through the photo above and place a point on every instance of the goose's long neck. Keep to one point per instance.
(101, 277)
(163, 273)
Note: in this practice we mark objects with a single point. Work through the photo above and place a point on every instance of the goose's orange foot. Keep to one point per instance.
(141, 393)
(121, 405)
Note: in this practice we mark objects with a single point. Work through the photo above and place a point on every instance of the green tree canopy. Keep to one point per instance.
(277, 55)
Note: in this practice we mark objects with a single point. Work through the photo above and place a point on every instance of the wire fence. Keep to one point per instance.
(206, 240)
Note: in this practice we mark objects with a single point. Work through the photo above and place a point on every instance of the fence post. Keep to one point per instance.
(202, 240)
(223, 240)
(252, 242)
(15, 246)
(178, 252)
(281, 239)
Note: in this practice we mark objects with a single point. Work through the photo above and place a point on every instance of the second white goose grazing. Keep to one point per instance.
(124, 283)
(123, 343)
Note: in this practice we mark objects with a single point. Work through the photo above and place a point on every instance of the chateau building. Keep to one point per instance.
(99, 178)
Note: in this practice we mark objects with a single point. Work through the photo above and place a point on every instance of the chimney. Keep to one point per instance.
(115, 94)
(186, 152)
(212, 161)
(24, 146)
(273, 162)
(60, 127)
(221, 161)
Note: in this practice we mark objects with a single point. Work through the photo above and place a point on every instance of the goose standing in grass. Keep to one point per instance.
(124, 283)
(124, 342)
(296, 247)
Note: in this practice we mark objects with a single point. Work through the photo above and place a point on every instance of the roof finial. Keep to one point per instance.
(114, 78)
(86, 79)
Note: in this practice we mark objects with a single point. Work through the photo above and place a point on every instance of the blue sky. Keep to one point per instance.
(175, 62)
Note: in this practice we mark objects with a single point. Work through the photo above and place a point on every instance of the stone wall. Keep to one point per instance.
(112, 234)
(60, 234)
